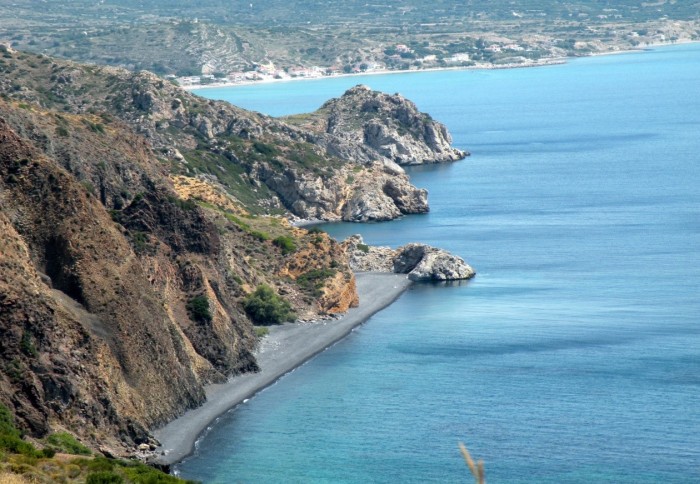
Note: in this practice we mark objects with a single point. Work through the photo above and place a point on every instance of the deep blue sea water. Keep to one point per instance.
(574, 356)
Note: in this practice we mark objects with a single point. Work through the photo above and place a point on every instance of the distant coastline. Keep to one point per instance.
(380, 72)
(377, 72)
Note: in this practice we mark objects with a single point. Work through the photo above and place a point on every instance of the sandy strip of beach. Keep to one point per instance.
(379, 72)
(285, 348)
(549, 61)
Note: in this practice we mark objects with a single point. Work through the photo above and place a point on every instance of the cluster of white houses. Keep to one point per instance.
(269, 72)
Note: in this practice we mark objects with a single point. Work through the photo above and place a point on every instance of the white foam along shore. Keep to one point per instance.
(285, 348)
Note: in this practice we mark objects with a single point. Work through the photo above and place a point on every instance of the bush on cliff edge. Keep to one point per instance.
(266, 308)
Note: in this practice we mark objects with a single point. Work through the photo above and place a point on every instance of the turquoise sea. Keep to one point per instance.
(574, 355)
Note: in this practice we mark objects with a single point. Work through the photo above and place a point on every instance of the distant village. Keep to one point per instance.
(260, 73)
(396, 59)
(479, 53)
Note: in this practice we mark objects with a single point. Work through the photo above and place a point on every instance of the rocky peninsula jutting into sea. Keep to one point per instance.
(147, 241)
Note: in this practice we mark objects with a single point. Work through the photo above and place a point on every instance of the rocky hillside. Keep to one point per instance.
(385, 127)
(137, 221)
(266, 165)
(120, 298)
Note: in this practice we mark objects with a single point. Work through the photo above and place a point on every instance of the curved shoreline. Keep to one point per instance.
(284, 349)
(548, 61)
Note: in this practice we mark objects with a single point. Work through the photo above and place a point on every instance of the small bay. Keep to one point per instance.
(574, 355)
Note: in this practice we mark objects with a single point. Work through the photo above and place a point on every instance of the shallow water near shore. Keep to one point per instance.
(574, 356)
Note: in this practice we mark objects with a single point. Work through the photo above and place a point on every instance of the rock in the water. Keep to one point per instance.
(425, 263)
(421, 262)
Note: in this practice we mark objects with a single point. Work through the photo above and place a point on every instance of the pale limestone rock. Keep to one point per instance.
(425, 263)
(363, 257)
(368, 205)
(421, 262)
(367, 125)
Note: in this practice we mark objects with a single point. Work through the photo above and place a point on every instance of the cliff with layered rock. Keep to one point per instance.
(266, 165)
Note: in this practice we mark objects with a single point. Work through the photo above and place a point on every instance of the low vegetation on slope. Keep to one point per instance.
(265, 165)
(63, 459)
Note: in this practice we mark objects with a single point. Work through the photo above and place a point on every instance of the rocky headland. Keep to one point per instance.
(137, 221)
(368, 125)
(340, 163)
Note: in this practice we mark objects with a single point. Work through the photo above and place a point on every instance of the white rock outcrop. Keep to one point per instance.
(425, 263)
(421, 262)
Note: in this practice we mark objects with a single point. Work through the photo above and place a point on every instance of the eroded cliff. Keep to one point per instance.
(135, 221)
(267, 165)
(101, 261)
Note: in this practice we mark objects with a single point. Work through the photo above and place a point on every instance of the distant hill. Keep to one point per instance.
(184, 38)
(405, 12)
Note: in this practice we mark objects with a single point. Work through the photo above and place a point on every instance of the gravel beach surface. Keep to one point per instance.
(285, 348)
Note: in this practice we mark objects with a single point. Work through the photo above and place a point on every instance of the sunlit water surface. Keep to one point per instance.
(574, 356)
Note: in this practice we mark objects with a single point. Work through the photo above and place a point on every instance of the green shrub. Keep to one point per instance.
(48, 452)
(89, 187)
(187, 205)
(363, 248)
(66, 443)
(143, 474)
(261, 331)
(10, 437)
(98, 464)
(313, 280)
(285, 243)
(266, 308)
(7, 424)
(27, 345)
(15, 445)
(104, 477)
(265, 149)
(198, 308)
(140, 241)
(315, 230)
(261, 236)
(237, 221)
(94, 127)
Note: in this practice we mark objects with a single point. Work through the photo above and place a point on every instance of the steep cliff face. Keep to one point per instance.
(100, 262)
(319, 264)
(369, 125)
(268, 165)
(93, 331)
